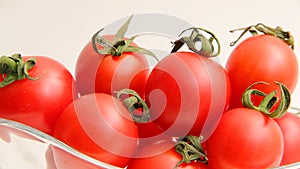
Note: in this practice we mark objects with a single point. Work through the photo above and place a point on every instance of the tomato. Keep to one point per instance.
(187, 93)
(106, 73)
(245, 138)
(290, 127)
(161, 154)
(38, 102)
(261, 58)
(110, 63)
(99, 126)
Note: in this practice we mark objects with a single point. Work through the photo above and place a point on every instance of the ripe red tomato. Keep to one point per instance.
(290, 127)
(245, 138)
(95, 72)
(261, 58)
(161, 154)
(38, 103)
(100, 126)
(187, 93)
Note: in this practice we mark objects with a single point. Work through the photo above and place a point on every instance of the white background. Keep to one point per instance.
(60, 28)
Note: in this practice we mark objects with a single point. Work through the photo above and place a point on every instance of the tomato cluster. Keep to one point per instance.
(187, 112)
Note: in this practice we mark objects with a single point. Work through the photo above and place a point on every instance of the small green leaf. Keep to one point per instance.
(8, 80)
(121, 32)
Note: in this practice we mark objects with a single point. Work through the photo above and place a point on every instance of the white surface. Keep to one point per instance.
(60, 28)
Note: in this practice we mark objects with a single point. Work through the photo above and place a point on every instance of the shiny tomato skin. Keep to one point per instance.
(245, 138)
(161, 154)
(290, 127)
(261, 58)
(106, 73)
(38, 103)
(100, 126)
(187, 93)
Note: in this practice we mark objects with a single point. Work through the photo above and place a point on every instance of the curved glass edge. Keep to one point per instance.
(47, 139)
(43, 137)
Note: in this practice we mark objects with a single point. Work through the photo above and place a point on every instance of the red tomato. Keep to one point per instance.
(161, 155)
(100, 126)
(245, 138)
(261, 58)
(99, 73)
(38, 103)
(290, 127)
(187, 94)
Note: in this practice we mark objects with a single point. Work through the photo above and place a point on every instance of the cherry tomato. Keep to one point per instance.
(290, 127)
(161, 154)
(39, 102)
(261, 58)
(187, 93)
(245, 138)
(100, 126)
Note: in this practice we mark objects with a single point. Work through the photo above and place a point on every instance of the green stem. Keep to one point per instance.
(14, 68)
(119, 45)
(134, 102)
(286, 36)
(269, 101)
(207, 46)
(191, 150)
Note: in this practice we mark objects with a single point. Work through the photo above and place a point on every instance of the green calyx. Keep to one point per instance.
(269, 101)
(207, 48)
(134, 102)
(191, 150)
(286, 36)
(14, 68)
(119, 44)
